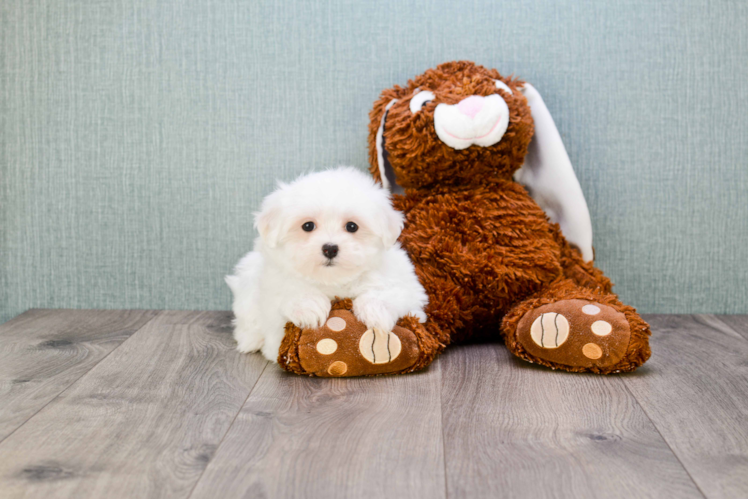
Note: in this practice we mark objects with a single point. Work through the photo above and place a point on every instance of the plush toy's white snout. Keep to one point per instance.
(476, 120)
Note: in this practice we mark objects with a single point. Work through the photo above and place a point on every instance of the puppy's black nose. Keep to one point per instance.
(330, 250)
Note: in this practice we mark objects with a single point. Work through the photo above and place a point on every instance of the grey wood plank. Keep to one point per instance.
(143, 423)
(695, 390)
(43, 351)
(333, 438)
(512, 429)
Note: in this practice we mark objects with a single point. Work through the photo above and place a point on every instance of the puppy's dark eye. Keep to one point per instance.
(308, 226)
(351, 227)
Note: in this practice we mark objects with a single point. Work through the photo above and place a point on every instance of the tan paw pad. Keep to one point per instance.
(590, 309)
(337, 369)
(601, 328)
(336, 324)
(378, 347)
(550, 330)
(327, 346)
(592, 351)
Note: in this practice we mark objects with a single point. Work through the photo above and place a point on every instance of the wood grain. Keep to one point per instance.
(333, 438)
(514, 430)
(92, 409)
(143, 423)
(43, 351)
(695, 390)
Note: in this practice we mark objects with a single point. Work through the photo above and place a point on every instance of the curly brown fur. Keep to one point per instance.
(483, 249)
(475, 263)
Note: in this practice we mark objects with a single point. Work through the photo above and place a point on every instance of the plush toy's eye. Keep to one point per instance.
(503, 86)
(420, 99)
(308, 226)
(351, 227)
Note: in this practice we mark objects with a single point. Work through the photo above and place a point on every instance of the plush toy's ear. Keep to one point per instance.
(385, 169)
(550, 179)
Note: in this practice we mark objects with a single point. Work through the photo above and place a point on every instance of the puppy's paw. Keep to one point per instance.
(248, 341)
(271, 348)
(419, 314)
(309, 311)
(374, 313)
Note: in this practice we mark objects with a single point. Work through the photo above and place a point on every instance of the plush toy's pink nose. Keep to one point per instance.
(471, 106)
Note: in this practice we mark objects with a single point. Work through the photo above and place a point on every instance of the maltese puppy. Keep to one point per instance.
(326, 234)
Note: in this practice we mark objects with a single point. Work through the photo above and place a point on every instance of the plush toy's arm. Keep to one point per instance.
(550, 179)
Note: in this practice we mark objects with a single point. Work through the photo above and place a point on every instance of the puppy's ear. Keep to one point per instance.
(268, 221)
(392, 225)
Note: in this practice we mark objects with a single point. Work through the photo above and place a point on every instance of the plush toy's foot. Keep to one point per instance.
(344, 347)
(575, 333)
(594, 333)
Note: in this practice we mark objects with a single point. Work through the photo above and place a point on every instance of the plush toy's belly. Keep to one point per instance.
(478, 252)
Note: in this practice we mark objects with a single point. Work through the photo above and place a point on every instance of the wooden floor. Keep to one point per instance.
(158, 404)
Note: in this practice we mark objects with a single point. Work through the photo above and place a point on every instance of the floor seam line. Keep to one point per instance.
(623, 381)
(441, 421)
(77, 379)
(728, 326)
(228, 429)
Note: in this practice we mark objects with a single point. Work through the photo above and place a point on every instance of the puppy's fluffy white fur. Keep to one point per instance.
(288, 278)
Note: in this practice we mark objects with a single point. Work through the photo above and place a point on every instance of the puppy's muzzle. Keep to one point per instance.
(329, 250)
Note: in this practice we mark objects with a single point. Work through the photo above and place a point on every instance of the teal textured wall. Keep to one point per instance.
(136, 138)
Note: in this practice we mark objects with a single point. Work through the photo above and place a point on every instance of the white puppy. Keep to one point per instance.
(326, 234)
